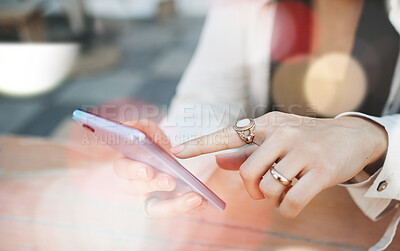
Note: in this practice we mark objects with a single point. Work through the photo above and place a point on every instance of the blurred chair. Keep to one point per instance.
(76, 14)
(166, 9)
(25, 17)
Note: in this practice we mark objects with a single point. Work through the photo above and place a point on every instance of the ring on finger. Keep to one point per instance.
(246, 128)
(279, 177)
(146, 204)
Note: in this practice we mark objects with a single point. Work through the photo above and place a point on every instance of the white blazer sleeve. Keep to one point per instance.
(381, 192)
(371, 200)
(212, 93)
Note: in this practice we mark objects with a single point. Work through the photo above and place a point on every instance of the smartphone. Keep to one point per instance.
(135, 145)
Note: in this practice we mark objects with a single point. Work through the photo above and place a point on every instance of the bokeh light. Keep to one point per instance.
(31, 69)
(324, 86)
(335, 83)
(288, 86)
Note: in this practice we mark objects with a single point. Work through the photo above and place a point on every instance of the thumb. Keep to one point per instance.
(233, 161)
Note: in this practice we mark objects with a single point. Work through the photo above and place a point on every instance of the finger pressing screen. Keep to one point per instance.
(152, 131)
(224, 139)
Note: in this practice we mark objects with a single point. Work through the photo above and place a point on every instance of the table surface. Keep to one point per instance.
(58, 196)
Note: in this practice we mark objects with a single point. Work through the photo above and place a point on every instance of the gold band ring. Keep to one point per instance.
(279, 177)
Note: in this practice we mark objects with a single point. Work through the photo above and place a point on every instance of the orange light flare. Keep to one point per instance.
(96, 182)
(243, 224)
(87, 201)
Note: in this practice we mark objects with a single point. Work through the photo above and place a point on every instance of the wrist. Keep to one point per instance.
(379, 139)
(375, 135)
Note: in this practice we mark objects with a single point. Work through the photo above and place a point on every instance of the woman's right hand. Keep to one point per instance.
(142, 179)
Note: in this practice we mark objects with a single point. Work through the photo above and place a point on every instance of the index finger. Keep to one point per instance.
(223, 139)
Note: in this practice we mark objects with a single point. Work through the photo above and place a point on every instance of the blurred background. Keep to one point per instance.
(60, 55)
(57, 56)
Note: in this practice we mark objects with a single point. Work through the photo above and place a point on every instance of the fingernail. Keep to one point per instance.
(194, 201)
(177, 149)
(163, 182)
(142, 173)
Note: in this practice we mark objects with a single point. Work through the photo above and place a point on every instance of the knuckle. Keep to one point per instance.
(225, 137)
(163, 182)
(274, 114)
(290, 131)
(135, 165)
(199, 145)
(275, 117)
(201, 141)
(255, 196)
(153, 186)
(287, 212)
(246, 173)
(269, 193)
(262, 122)
(243, 171)
(172, 183)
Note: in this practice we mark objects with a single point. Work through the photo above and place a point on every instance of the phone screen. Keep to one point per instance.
(135, 145)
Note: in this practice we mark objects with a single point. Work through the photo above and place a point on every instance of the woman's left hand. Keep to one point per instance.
(320, 153)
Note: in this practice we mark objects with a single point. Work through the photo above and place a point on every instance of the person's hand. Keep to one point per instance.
(320, 153)
(142, 179)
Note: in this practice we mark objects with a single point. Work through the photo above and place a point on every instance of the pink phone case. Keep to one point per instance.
(134, 145)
